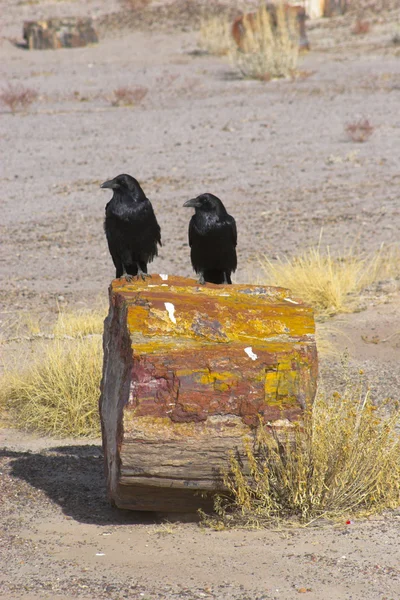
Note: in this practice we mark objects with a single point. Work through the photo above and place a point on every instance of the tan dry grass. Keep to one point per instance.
(343, 460)
(215, 35)
(57, 394)
(268, 52)
(27, 326)
(79, 323)
(331, 284)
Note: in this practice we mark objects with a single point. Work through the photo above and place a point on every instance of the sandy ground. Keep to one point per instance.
(65, 541)
(278, 156)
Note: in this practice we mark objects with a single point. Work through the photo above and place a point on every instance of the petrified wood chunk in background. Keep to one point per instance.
(188, 372)
(70, 32)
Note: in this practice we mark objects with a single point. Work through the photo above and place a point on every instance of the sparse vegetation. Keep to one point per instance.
(361, 27)
(331, 284)
(57, 394)
(128, 96)
(215, 35)
(17, 97)
(79, 324)
(359, 131)
(267, 50)
(342, 460)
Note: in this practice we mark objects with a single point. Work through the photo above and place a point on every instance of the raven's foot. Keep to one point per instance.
(127, 277)
(201, 280)
(142, 275)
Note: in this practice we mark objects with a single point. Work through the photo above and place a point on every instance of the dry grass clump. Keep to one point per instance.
(58, 394)
(17, 97)
(79, 323)
(343, 460)
(128, 96)
(330, 284)
(215, 35)
(359, 131)
(267, 51)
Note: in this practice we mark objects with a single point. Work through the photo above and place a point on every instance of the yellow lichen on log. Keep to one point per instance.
(188, 371)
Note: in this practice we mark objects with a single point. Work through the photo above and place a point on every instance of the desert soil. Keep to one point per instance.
(278, 156)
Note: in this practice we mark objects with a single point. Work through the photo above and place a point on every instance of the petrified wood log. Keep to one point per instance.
(70, 32)
(189, 371)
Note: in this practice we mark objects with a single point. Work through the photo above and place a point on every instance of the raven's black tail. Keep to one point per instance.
(217, 276)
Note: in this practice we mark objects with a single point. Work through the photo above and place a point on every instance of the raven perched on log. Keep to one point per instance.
(212, 239)
(131, 228)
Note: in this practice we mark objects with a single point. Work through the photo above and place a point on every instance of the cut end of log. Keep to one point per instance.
(189, 373)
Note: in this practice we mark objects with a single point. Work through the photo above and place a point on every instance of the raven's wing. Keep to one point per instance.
(157, 228)
(192, 231)
(232, 223)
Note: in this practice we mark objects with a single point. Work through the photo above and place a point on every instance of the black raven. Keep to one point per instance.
(212, 239)
(131, 228)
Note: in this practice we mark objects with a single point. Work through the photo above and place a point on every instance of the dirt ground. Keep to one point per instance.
(278, 156)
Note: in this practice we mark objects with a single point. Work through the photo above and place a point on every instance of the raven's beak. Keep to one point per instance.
(194, 203)
(109, 184)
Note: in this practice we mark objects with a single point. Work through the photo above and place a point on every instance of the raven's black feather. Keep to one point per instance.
(212, 239)
(131, 227)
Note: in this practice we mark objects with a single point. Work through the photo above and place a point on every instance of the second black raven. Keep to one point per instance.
(212, 239)
(131, 228)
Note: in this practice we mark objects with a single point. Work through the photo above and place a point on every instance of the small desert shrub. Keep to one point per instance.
(215, 35)
(267, 51)
(330, 284)
(359, 131)
(58, 394)
(342, 460)
(361, 27)
(17, 97)
(128, 96)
